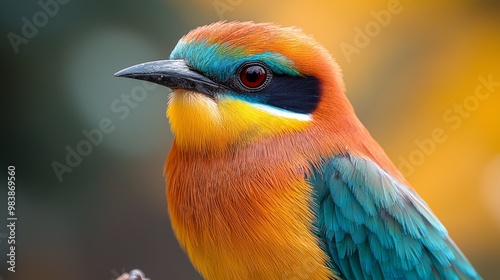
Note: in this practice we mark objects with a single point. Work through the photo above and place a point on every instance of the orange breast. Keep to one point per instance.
(244, 216)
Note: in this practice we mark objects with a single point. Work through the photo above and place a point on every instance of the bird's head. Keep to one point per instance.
(238, 82)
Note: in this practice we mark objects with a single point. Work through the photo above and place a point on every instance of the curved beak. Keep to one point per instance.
(173, 74)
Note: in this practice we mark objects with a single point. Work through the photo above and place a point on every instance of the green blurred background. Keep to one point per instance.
(109, 214)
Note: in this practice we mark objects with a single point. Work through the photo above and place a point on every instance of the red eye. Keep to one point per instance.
(253, 76)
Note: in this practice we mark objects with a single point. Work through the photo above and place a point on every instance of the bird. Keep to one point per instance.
(271, 175)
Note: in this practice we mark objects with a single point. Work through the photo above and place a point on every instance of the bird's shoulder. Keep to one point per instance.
(375, 227)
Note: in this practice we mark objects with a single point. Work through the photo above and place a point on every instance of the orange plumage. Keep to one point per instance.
(272, 176)
(226, 208)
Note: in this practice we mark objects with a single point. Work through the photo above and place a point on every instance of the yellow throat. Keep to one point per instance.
(201, 122)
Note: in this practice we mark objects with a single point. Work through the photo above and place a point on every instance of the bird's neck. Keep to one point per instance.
(249, 210)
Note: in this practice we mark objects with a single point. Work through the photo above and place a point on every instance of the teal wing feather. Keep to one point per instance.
(374, 227)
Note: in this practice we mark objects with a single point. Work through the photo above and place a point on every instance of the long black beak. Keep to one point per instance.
(173, 74)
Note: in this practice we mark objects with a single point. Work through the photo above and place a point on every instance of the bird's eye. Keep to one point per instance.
(254, 76)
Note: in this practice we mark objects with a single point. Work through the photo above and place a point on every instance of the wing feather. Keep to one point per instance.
(374, 227)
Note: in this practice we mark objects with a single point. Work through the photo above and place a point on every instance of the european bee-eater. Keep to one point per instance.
(272, 176)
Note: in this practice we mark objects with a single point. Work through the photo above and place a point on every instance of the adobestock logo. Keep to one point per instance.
(30, 28)
(363, 36)
(453, 117)
(221, 7)
(121, 109)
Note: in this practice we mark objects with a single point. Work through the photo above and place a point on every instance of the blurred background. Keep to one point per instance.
(423, 68)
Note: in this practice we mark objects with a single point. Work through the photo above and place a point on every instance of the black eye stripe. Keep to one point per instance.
(296, 94)
(299, 94)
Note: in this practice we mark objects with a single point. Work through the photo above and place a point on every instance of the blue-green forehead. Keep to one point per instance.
(220, 61)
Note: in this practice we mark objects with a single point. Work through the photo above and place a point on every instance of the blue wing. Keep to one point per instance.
(374, 227)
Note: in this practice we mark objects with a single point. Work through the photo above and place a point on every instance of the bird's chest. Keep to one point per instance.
(244, 220)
